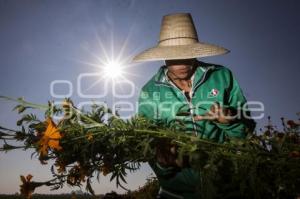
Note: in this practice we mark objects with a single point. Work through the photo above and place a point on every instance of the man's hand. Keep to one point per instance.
(167, 154)
(218, 114)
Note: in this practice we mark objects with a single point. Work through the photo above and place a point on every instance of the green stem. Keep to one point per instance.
(25, 103)
(87, 118)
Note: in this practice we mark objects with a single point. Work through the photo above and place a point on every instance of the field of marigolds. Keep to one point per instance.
(85, 144)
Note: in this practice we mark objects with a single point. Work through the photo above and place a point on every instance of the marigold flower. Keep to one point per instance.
(292, 124)
(280, 137)
(50, 139)
(67, 108)
(105, 170)
(61, 166)
(27, 187)
(76, 175)
(267, 133)
(294, 154)
(89, 136)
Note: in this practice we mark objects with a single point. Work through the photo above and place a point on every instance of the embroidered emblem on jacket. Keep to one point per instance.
(213, 93)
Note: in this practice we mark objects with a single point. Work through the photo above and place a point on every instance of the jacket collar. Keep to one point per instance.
(198, 77)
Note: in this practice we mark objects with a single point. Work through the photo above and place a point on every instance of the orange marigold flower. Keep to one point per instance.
(267, 133)
(280, 137)
(292, 124)
(27, 187)
(89, 136)
(61, 166)
(67, 108)
(294, 154)
(76, 175)
(105, 170)
(50, 138)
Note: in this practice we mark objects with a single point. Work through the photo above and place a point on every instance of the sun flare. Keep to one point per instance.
(113, 69)
(113, 61)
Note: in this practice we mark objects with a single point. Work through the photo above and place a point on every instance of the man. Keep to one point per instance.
(205, 97)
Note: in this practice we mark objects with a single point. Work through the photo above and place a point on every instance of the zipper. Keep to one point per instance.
(191, 104)
(203, 78)
(192, 93)
(192, 112)
(190, 107)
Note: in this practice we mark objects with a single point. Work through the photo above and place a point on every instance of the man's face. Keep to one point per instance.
(180, 68)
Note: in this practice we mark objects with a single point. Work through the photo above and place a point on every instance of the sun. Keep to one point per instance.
(113, 69)
(113, 61)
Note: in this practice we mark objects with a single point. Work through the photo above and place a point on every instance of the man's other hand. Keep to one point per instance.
(219, 114)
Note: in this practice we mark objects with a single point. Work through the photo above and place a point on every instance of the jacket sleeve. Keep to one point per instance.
(163, 172)
(236, 101)
(147, 107)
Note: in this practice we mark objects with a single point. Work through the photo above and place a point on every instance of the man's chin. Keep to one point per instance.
(183, 75)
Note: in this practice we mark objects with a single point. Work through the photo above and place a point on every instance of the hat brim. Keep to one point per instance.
(195, 50)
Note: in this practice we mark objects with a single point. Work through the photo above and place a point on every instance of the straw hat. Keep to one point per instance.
(178, 40)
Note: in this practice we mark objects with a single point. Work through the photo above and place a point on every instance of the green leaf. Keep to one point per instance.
(89, 187)
(27, 118)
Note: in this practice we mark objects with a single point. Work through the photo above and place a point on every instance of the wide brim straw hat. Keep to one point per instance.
(179, 40)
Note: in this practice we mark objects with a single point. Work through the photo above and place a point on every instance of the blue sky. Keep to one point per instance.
(43, 41)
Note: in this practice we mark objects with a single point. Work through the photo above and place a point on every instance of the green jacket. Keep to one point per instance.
(161, 100)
